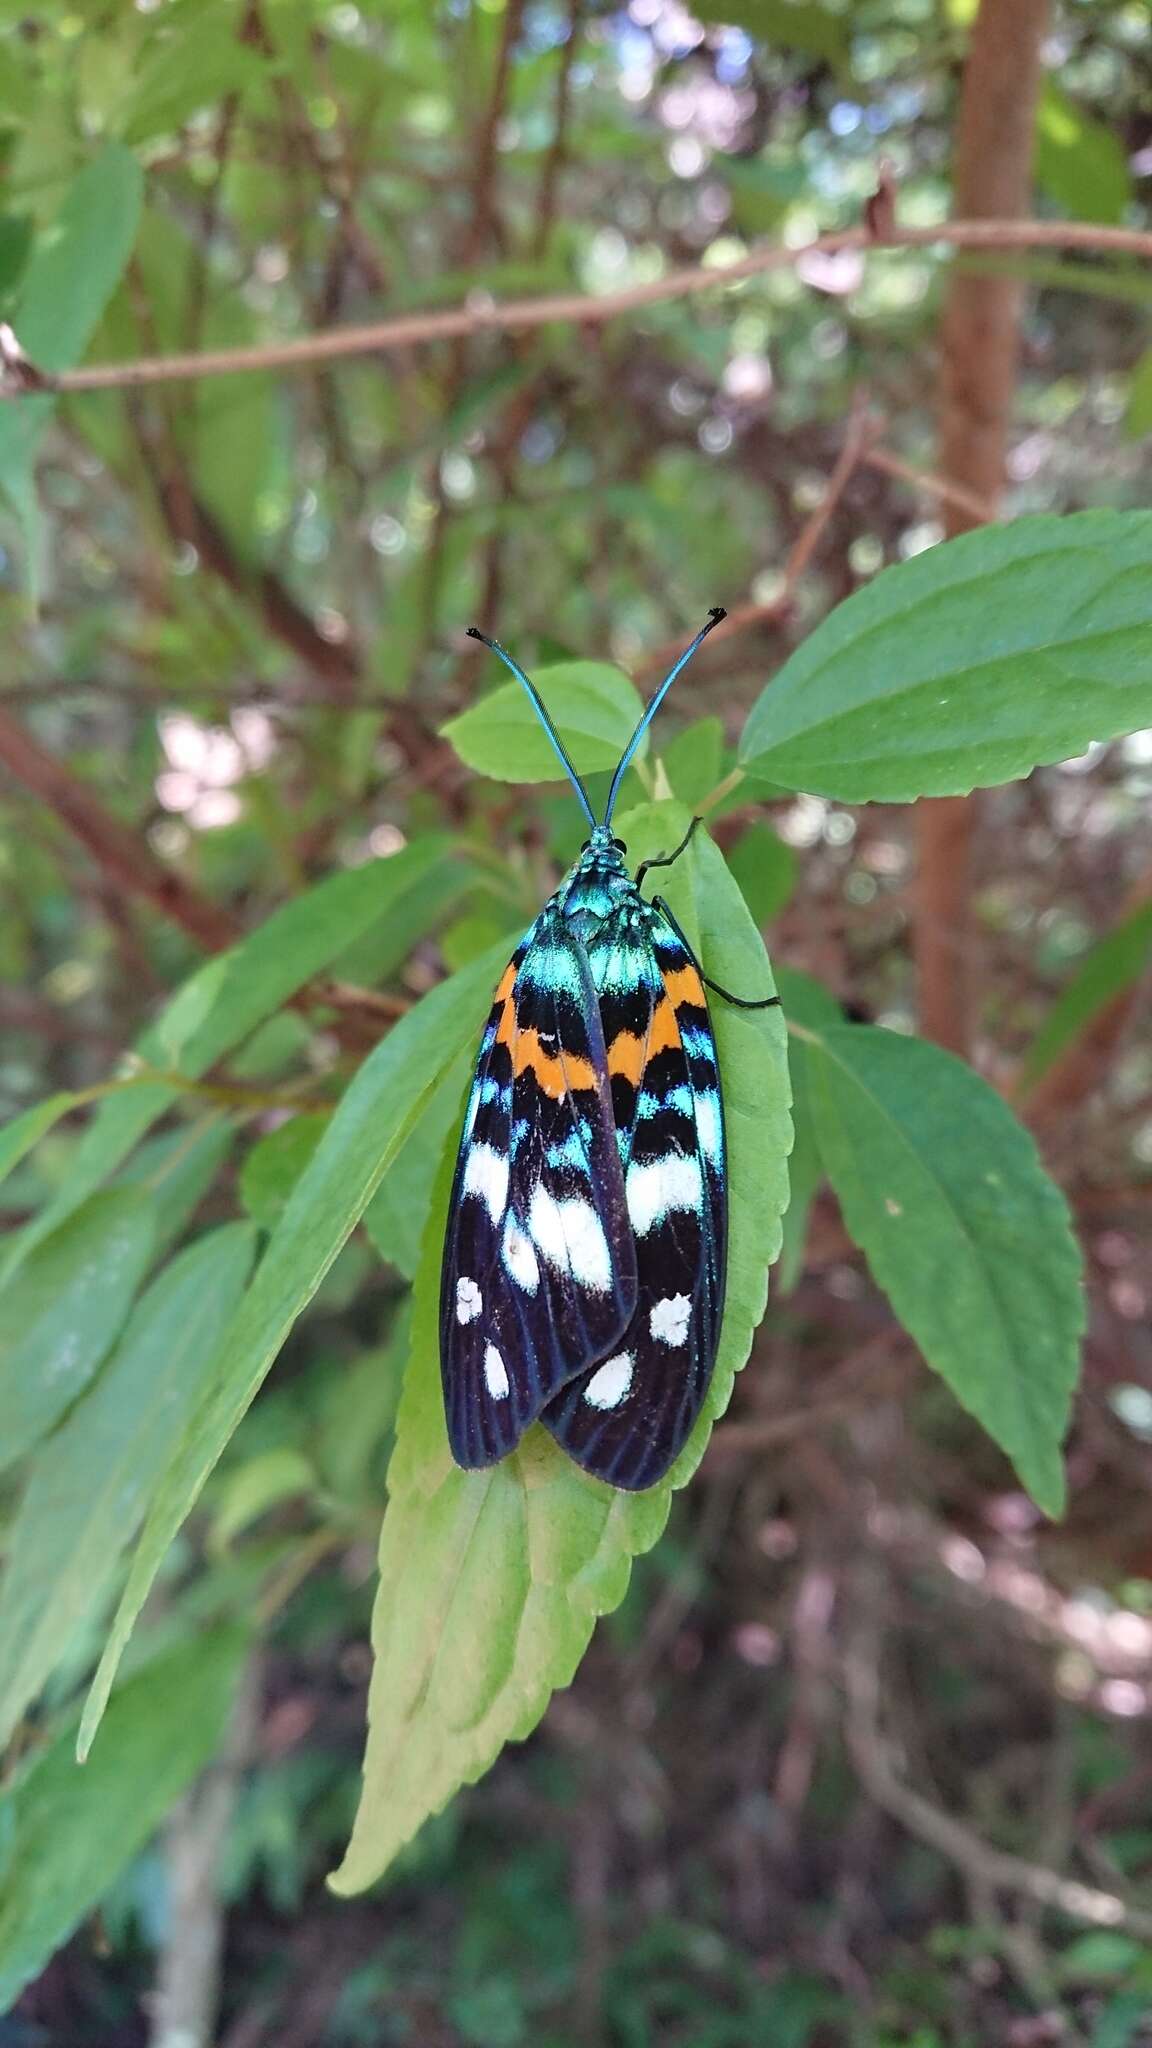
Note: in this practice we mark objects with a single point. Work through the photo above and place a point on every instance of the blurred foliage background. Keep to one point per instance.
(860, 1671)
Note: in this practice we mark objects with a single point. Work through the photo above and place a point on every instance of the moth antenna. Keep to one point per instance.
(538, 706)
(714, 617)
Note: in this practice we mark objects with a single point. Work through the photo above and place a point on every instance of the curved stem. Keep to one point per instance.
(478, 315)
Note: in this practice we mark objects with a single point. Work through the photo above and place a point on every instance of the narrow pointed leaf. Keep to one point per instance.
(92, 1481)
(363, 1137)
(226, 999)
(1106, 970)
(65, 1311)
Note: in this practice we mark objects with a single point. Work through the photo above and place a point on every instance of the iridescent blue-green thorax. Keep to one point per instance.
(597, 885)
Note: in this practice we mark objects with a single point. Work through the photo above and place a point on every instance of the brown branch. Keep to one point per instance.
(980, 340)
(558, 147)
(482, 219)
(123, 855)
(479, 315)
(335, 663)
(126, 859)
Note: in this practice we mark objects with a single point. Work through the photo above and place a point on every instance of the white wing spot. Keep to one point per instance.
(469, 1300)
(893, 1208)
(608, 1387)
(658, 1185)
(486, 1175)
(495, 1373)
(519, 1257)
(571, 1237)
(669, 1319)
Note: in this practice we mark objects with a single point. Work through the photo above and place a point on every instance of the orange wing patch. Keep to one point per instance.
(629, 1055)
(555, 1074)
(685, 986)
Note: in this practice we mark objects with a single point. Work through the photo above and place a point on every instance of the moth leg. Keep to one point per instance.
(737, 1002)
(665, 860)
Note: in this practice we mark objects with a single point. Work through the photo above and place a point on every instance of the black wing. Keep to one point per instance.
(539, 1272)
(627, 1418)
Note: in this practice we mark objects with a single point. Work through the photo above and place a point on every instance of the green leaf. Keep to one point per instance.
(227, 998)
(807, 1002)
(1080, 163)
(368, 1128)
(274, 1166)
(397, 1215)
(765, 869)
(945, 1194)
(1104, 973)
(595, 708)
(177, 1171)
(1138, 413)
(26, 1130)
(785, 25)
(191, 65)
(260, 1483)
(491, 1582)
(91, 1482)
(694, 761)
(65, 1311)
(67, 1833)
(66, 284)
(968, 665)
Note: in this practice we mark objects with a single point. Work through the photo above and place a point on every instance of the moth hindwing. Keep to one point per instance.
(584, 1259)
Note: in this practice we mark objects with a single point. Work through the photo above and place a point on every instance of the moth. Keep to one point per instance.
(586, 1245)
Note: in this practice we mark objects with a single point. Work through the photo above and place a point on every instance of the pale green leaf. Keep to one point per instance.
(1104, 973)
(92, 1480)
(595, 708)
(66, 1833)
(968, 665)
(63, 1313)
(491, 1582)
(945, 1194)
(366, 1132)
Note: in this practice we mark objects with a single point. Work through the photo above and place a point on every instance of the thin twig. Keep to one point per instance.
(480, 314)
(747, 617)
(940, 487)
(951, 1838)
